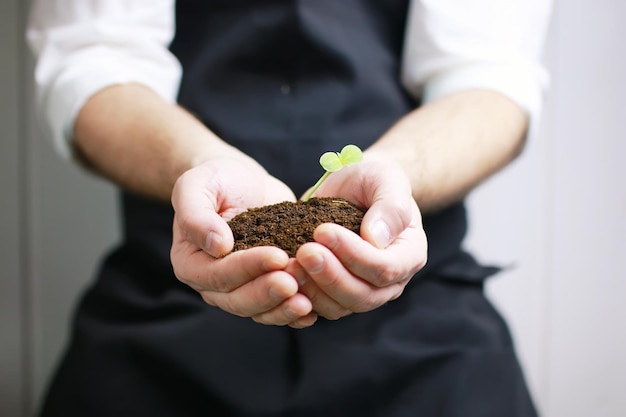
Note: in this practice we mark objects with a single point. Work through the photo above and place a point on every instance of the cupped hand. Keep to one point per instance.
(342, 272)
(249, 283)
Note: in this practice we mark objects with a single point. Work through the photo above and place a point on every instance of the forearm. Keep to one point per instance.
(448, 146)
(131, 136)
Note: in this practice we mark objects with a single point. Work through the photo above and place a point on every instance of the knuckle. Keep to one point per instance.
(397, 293)
(367, 303)
(386, 276)
(178, 267)
(221, 285)
(314, 295)
(224, 302)
(207, 298)
(178, 272)
(230, 306)
(182, 275)
(421, 264)
(332, 282)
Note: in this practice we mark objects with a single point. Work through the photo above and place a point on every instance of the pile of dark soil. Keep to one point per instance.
(288, 225)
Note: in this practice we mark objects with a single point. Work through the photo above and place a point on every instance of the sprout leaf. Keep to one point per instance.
(350, 154)
(331, 161)
(334, 161)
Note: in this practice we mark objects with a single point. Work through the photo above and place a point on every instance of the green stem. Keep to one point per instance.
(316, 186)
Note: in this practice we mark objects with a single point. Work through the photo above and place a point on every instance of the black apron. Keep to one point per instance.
(284, 81)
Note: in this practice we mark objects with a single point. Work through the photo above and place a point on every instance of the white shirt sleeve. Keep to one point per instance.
(453, 45)
(83, 46)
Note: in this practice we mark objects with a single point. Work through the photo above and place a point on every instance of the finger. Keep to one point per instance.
(304, 322)
(385, 190)
(323, 305)
(391, 209)
(257, 296)
(379, 267)
(342, 286)
(202, 272)
(292, 310)
(197, 218)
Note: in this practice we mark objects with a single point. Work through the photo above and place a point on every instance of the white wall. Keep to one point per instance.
(557, 216)
(55, 223)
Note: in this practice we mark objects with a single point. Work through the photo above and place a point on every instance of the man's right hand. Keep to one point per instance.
(248, 283)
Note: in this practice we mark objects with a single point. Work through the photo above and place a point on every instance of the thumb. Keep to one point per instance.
(196, 218)
(391, 211)
(204, 229)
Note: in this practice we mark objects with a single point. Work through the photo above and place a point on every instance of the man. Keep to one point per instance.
(267, 87)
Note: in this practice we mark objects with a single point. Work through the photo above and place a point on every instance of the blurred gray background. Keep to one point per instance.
(557, 216)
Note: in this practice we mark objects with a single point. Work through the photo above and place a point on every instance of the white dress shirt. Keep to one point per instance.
(83, 46)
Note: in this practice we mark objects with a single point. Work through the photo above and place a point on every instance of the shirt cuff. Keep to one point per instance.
(70, 91)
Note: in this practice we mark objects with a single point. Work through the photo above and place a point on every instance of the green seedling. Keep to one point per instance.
(334, 161)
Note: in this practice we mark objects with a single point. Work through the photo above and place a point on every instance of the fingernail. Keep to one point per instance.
(301, 279)
(212, 243)
(381, 234)
(313, 263)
